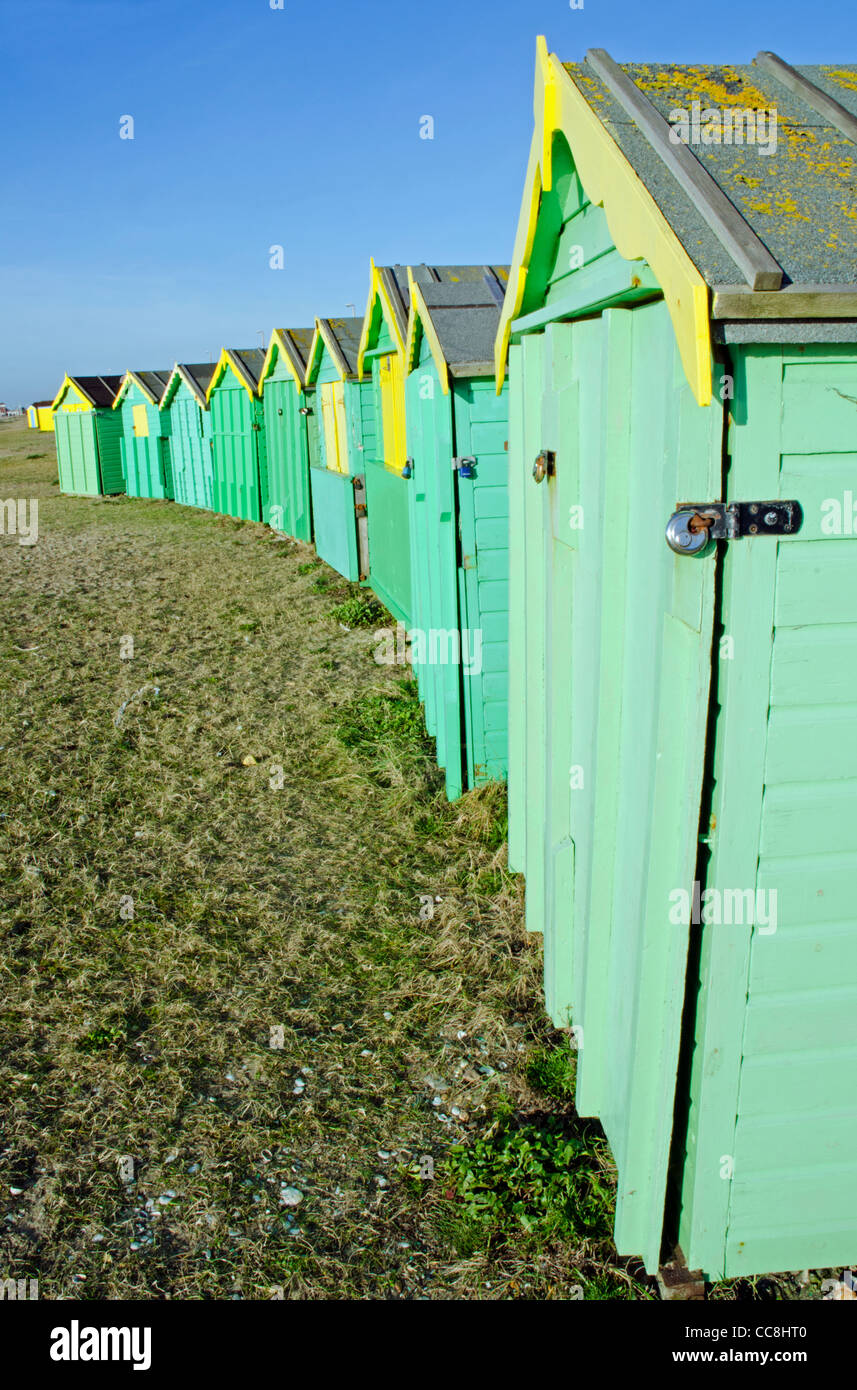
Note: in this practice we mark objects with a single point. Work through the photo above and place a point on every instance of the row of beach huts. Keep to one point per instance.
(627, 461)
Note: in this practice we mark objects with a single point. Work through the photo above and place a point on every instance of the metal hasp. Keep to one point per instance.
(693, 526)
(465, 467)
(545, 465)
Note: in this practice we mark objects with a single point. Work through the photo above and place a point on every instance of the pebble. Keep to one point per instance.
(299, 1087)
(291, 1196)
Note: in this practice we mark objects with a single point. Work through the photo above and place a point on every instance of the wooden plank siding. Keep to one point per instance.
(190, 439)
(237, 426)
(481, 420)
(142, 425)
(778, 1005)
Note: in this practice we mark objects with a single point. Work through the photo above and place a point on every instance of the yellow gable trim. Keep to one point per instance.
(322, 340)
(315, 352)
(420, 315)
(80, 401)
(377, 291)
(129, 379)
(117, 399)
(170, 390)
(275, 347)
(226, 363)
(638, 227)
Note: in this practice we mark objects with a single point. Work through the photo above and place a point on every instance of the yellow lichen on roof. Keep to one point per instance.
(587, 81)
(783, 206)
(698, 84)
(846, 77)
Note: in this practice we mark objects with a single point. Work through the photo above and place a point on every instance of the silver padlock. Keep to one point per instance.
(682, 540)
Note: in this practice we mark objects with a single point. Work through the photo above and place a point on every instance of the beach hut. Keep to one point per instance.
(188, 427)
(681, 335)
(284, 398)
(88, 435)
(145, 443)
(341, 429)
(381, 358)
(238, 433)
(457, 435)
(40, 416)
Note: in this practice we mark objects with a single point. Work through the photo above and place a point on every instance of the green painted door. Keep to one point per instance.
(190, 450)
(389, 538)
(771, 1152)
(435, 616)
(165, 467)
(77, 452)
(234, 431)
(617, 651)
(288, 506)
(335, 522)
(482, 505)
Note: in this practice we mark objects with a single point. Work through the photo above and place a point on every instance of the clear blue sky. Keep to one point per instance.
(297, 127)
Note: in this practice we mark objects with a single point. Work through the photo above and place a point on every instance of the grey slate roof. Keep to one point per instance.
(251, 361)
(346, 333)
(395, 278)
(298, 342)
(196, 376)
(801, 200)
(155, 382)
(101, 390)
(465, 313)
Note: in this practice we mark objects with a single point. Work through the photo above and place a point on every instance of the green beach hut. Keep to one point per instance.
(681, 335)
(341, 427)
(238, 433)
(288, 506)
(145, 442)
(457, 436)
(381, 359)
(88, 435)
(188, 427)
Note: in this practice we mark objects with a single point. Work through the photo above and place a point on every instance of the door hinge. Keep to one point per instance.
(694, 525)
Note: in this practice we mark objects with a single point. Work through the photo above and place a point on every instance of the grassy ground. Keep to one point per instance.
(237, 1053)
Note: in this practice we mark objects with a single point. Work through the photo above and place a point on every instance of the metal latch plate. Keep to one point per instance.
(730, 521)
